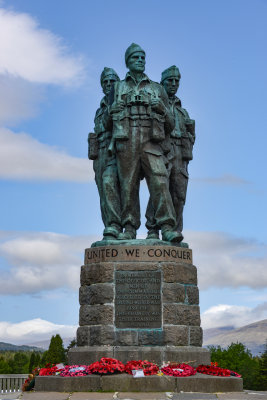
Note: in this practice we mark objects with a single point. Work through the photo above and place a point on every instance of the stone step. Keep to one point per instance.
(126, 383)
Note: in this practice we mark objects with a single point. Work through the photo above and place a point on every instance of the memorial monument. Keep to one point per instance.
(139, 298)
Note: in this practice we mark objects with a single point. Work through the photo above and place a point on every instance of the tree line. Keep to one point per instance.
(23, 362)
(235, 357)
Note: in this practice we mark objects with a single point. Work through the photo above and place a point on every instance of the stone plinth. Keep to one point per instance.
(126, 383)
(139, 302)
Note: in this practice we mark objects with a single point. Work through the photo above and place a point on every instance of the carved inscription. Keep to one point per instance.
(138, 299)
(141, 253)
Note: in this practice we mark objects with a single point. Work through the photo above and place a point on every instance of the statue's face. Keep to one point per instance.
(107, 84)
(171, 85)
(136, 62)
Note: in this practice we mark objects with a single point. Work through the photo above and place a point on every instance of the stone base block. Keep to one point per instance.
(126, 383)
(157, 354)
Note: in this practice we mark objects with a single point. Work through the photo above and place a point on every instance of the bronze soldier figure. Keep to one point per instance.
(141, 121)
(105, 167)
(181, 143)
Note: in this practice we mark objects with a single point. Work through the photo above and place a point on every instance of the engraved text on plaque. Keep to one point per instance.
(138, 299)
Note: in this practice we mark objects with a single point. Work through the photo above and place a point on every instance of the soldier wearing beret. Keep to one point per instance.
(105, 167)
(181, 143)
(141, 121)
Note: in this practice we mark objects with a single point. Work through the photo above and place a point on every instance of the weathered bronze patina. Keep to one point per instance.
(141, 131)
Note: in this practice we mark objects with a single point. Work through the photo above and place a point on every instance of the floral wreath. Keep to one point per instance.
(106, 366)
(149, 368)
(213, 369)
(174, 369)
(51, 370)
(75, 370)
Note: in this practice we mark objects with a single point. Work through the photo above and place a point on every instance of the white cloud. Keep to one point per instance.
(19, 99)
(35, 54)
(41, 261)
(229, 315)
(23, 157)
(33, 330)
(47, 261)
(226, 261)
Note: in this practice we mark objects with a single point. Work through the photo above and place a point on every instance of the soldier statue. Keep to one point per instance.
(104, 165)
(142, 120)
(181, 143)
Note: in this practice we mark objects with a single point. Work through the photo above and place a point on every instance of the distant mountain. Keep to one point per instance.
(253, 336)
(44, 344)
(209, 333)
(13, 347)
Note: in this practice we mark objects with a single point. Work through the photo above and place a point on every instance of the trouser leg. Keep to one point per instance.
(158, 184)
(98, 168)
(150, 216)
(178, 189)
(111, 194)
(128, 163)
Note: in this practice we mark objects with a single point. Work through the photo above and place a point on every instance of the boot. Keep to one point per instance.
(128, 234)
(153, 234)
(169, 235)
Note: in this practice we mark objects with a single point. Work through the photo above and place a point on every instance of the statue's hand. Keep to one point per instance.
(158, 106)
(117, 107)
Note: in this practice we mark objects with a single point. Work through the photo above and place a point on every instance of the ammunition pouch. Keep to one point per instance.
(190, 126)
(120, 126)
(157, 128)
(187, 147)
(93, 146)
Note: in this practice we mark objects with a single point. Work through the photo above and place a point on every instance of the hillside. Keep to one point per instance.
(44, 344)
(12, 347)
(253, 336)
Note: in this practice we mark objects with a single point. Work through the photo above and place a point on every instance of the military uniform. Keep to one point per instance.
(105, 167)
(182, 139)
(180, 143)
(138, 132)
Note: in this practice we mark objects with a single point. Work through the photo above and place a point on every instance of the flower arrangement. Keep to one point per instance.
(148, 367)
(112, 366)
(51, 370)
(106, 366)
(75, 370)
(213, 369)
(174, 369)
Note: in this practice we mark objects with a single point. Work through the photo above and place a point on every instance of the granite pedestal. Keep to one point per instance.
(139, 302)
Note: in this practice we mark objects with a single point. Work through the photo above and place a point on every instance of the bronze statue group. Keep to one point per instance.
(141, 131)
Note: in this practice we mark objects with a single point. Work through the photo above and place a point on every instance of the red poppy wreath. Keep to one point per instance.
(149, 368)
(173, 369)
(106, 366)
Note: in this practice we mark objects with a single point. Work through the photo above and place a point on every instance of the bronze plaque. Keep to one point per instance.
(138, 299)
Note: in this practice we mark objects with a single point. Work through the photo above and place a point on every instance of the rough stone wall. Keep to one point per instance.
(179, 298)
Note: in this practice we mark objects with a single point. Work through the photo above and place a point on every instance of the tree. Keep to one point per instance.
(239, 359)
(32, 362)
(5, 368)
(73, 343)
(37, 360)
(20, 363)
(56, 351)
(263, 370)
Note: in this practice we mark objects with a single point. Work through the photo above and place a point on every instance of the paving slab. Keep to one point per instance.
(45, 396)
(142, 396)
(246, 395)
(10, 396)
(92, 396)
(194, 396)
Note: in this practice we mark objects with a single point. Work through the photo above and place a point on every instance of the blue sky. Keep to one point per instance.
(51, 57)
